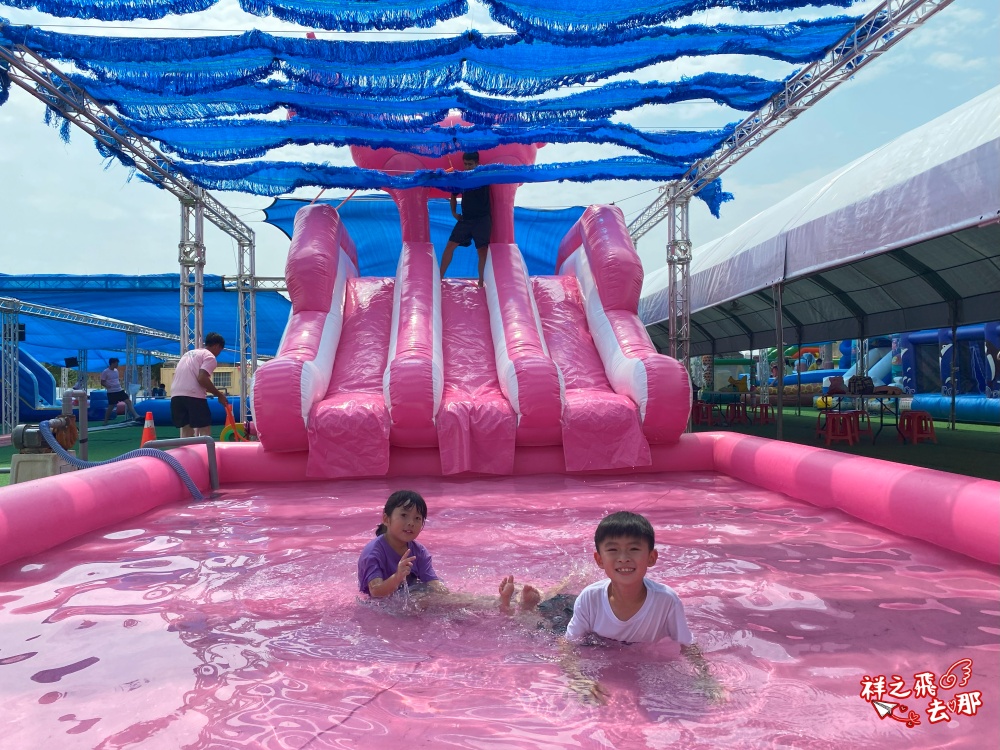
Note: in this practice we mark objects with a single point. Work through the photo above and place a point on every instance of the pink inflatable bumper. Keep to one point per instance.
(952, 511)
(599, 252)
(321, 259)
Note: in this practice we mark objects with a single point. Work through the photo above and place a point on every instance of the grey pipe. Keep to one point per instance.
(213, 468)
(67, 408)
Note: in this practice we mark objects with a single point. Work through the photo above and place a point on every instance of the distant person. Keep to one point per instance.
(817, 365)
(160, 391)
(474, 223)
(192, 381)
(111, 381)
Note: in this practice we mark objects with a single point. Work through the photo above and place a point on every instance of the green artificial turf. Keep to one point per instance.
(973, 450)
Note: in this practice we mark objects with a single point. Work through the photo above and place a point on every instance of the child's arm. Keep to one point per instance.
(379, 588)
(705, 682)
(587, 689)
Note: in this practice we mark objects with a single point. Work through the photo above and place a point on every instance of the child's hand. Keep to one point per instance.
(405, 564)
(588, 691)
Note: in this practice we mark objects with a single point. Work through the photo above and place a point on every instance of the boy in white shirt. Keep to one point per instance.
(626, 607)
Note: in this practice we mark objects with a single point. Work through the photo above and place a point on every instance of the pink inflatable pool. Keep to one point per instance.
(829, 591)
(236, 623)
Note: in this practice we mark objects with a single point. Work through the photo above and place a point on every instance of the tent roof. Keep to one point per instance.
(151, 301)
(894, 241)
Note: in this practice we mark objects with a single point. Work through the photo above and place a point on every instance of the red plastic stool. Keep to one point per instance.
(820, 424)
(763, 412)
(862, 423)
(917, 426)
(737, 413)
(839, 427)
(702, 413)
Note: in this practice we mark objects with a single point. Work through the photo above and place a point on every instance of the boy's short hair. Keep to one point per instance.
(471, 156)
(214, 338)
(627, 524)
(113, 359)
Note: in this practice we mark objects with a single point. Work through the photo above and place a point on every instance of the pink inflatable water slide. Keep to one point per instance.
(421, 376)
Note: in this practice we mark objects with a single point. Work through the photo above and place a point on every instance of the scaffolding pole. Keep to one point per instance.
(191, 255)
(10, 392)
(679, 279)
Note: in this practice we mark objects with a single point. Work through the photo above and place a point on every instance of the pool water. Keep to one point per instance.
(236, 623)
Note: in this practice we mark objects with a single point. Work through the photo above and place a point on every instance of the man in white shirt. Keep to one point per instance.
(192, 381)
(111, 380)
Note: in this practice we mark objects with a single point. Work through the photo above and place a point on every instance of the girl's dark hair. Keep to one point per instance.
(402, 499)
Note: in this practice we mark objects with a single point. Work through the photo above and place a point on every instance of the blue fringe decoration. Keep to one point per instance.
(358, 15)
(113, 10)
(278, 178)
(744, 93)
(505, 66)
(529, 70)
(572, 23)
(231, 140)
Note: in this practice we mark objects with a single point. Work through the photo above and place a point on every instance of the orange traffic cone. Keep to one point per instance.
(148, 430)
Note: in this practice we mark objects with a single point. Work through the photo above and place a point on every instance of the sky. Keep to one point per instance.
(63, 209)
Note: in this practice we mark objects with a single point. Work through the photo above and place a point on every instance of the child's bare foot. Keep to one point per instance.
(530, 598)
(506, 593)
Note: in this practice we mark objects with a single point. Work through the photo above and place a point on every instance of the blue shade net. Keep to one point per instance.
(570, 22)
(224, 141)
(373, 223)
(565, 21)
(278, 178)
(389, 94)
(336, 15)
(502, 66)
(740, 92)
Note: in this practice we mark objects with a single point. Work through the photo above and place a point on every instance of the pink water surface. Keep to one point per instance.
(235, 623)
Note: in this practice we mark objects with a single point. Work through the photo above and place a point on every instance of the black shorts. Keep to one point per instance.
(557, 612)
(467, 231)
(188, 411)
(117, 397)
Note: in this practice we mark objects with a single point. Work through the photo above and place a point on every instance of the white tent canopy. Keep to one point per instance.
(904, 238)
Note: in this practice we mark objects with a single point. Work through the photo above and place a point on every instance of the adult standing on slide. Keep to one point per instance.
(192, 380)
(474, 223)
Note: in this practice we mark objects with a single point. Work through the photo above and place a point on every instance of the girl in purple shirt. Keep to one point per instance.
(394, 556)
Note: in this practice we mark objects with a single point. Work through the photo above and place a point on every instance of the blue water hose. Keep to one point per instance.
(79, 463)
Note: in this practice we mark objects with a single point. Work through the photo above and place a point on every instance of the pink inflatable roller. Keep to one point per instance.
(413, 379)
(599, 252)
(321, 259)
(528, 376)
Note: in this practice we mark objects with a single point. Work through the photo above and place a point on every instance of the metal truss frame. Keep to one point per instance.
(881, 29)
(49, 85)
(10, 391)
